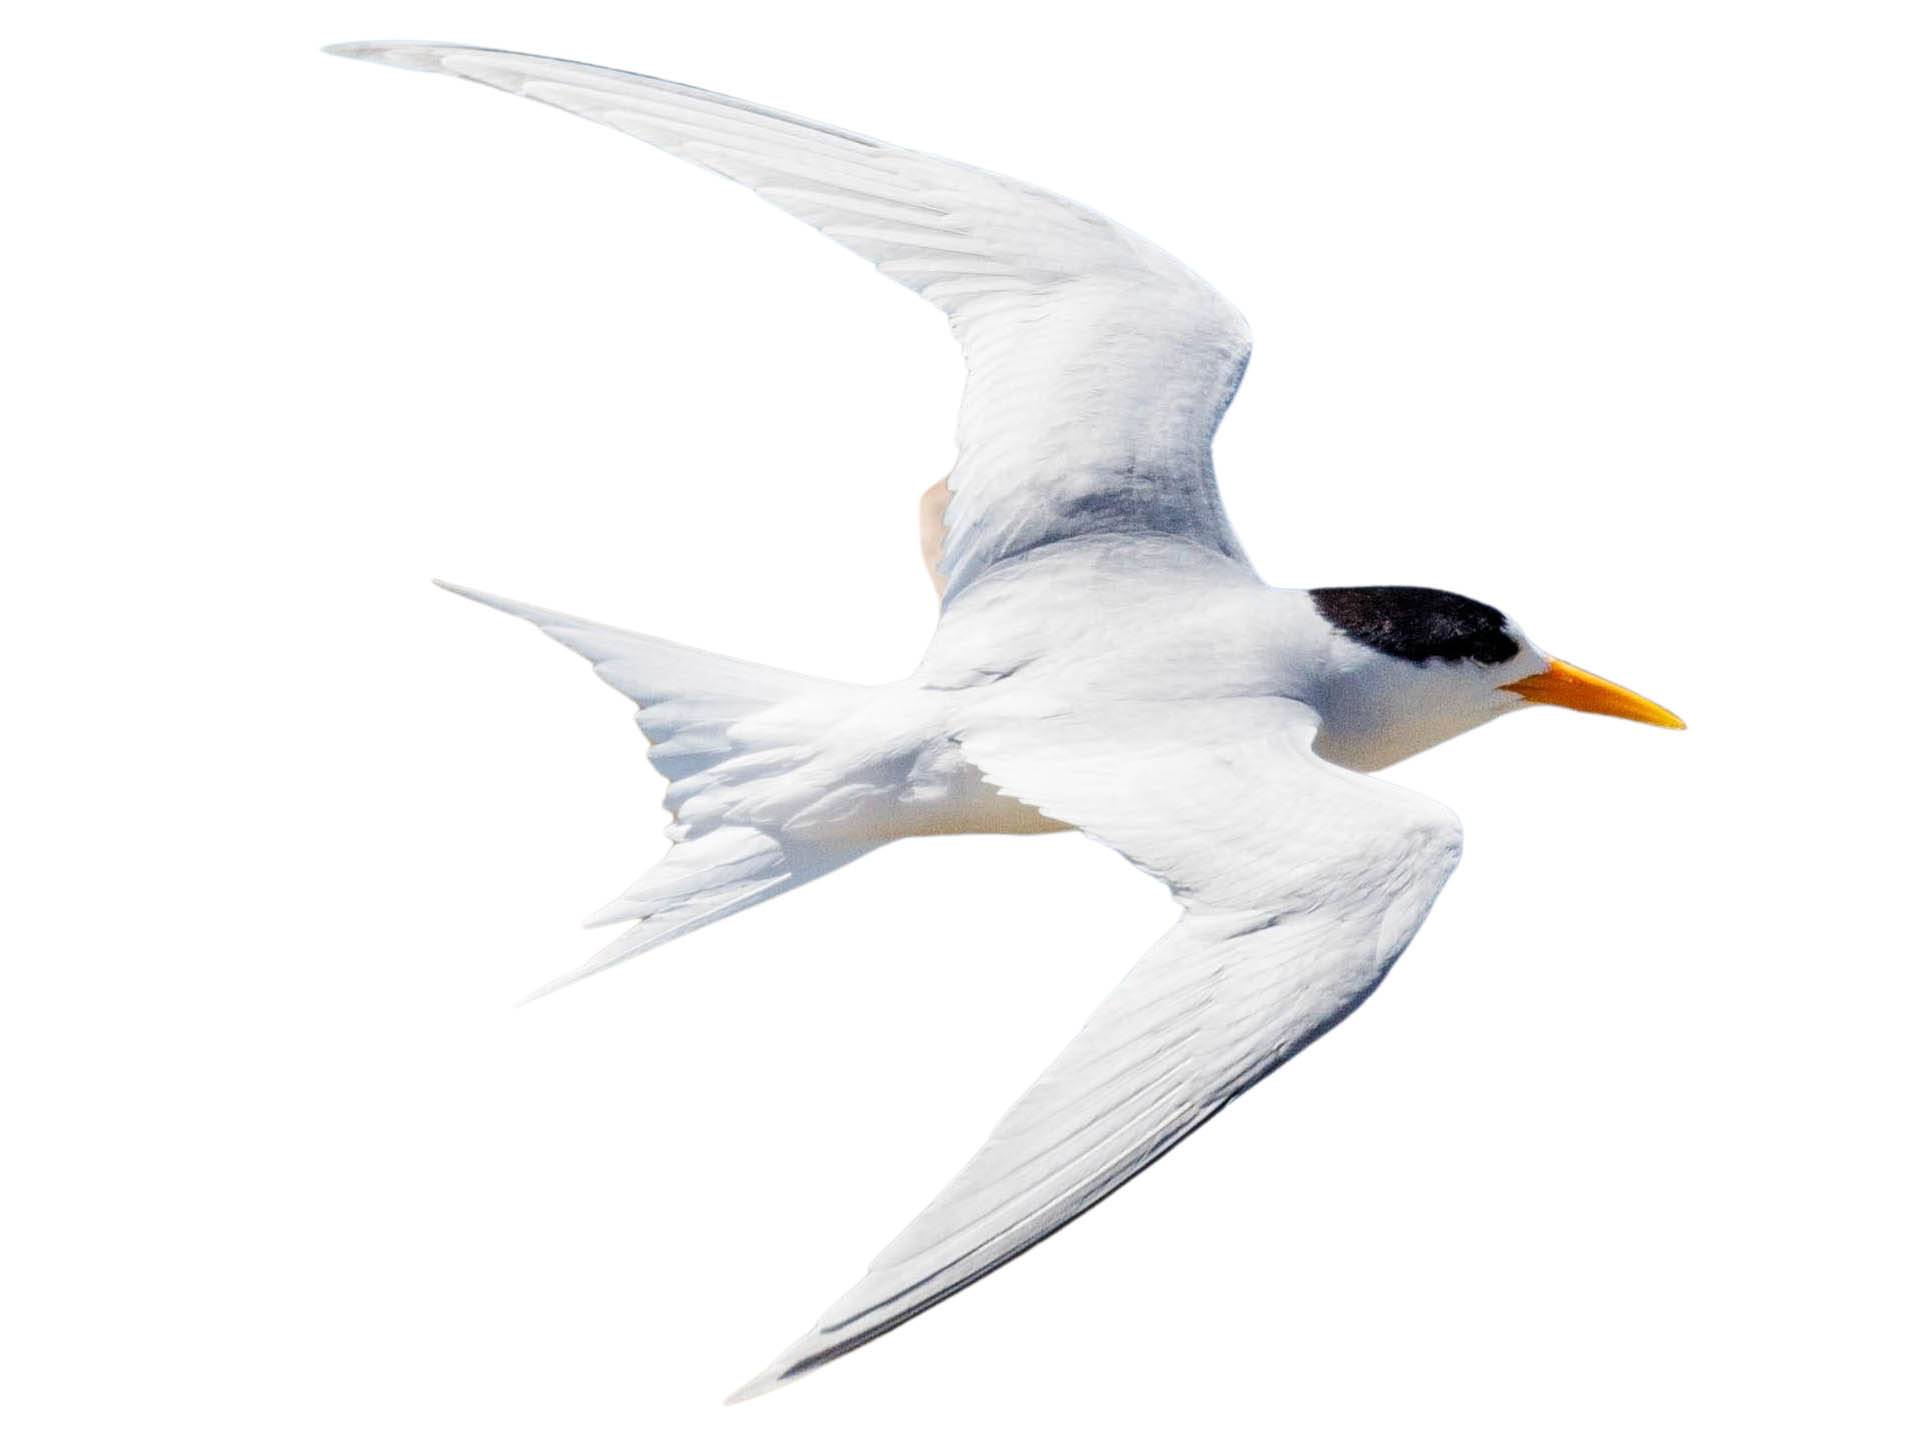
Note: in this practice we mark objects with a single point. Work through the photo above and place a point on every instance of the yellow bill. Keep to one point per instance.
(1563, 685)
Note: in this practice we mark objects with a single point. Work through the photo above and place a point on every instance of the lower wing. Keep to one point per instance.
(1302, 883)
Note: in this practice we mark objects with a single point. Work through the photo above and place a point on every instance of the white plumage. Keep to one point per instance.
(1098, 365)
(1105, 660)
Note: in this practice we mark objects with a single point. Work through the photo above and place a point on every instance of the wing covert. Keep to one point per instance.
(1099, 365)
(1302, 884)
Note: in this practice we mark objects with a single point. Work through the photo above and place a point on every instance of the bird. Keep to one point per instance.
(1105, 659)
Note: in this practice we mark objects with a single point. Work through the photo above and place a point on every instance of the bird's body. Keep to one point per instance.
(1105, 659)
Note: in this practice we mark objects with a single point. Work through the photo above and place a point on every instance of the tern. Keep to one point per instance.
(1105, 659)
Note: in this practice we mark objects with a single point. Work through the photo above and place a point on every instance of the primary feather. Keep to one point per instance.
(1099, 366)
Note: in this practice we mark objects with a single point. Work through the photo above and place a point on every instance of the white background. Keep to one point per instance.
(1610, 315)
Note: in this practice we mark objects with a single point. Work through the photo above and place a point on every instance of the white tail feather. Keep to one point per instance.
(693, 707)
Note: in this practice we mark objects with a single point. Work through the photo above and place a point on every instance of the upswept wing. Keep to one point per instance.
(1302, 883)
(1099, 366)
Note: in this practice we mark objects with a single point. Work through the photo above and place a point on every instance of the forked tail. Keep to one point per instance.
(725, 733)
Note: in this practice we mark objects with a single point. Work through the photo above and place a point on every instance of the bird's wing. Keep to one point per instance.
(1301, 883)
(1098, 365)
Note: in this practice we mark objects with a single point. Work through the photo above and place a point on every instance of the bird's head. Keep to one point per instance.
(1409, 667)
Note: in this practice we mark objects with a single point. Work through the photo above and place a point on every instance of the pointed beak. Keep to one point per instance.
(1563, 685)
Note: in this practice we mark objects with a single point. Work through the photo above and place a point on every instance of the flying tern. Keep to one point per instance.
(1105, 659)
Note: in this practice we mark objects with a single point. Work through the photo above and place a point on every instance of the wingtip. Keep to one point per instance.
(556, 985)
(617, 950)
(769, 1380)
(523, 610)
(475, 594)
(407, 54)
(804, 1357)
